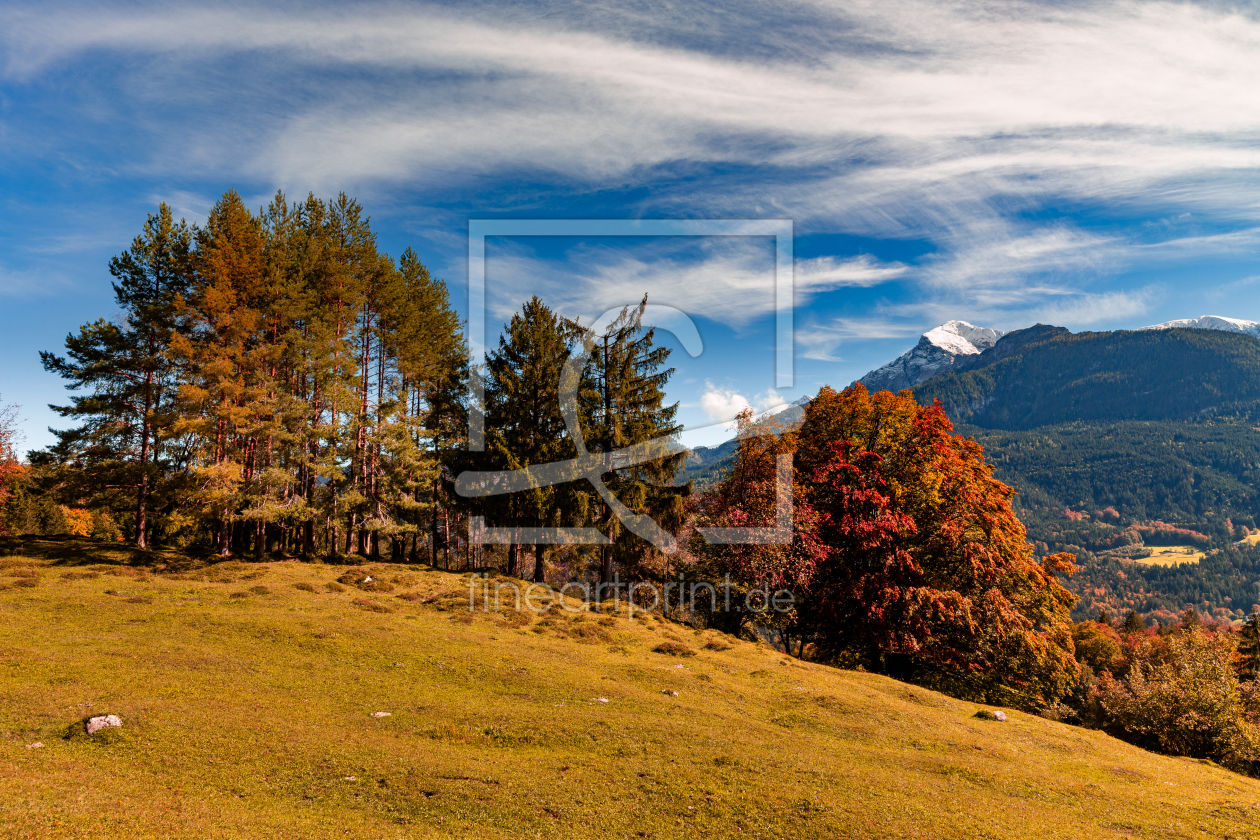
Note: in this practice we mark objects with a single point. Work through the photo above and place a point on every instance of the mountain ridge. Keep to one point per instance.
(938, 350)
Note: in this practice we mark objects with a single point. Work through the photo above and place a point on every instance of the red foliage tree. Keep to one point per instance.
(906, 556)
(923, 570)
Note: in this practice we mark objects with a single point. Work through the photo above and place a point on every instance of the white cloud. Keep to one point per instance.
(31, 284)
(726, 279)
(722, 404)
(820, 341)
(952, 122)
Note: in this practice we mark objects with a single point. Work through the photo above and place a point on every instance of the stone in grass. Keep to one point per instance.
(669, 692)
(382, 714)
(991, 714)
(38, 745)
(96, 724)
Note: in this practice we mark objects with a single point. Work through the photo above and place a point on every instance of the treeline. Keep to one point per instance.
(1221, 585)
(276, 384)
(1187, 687)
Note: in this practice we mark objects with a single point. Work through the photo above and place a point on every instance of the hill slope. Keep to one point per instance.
(1046, 375)
(247, 703)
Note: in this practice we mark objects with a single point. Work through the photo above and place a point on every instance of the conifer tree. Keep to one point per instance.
(524, 424)
(1249, 646)
(127, 368)
(625, 399)
(226, 393)
(1133, 623)
(307, 379)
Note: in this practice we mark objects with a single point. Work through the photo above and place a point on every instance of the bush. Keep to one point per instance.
(1191, 704)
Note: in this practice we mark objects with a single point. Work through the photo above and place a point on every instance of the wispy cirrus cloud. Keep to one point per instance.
(725, 279)
(965, 125)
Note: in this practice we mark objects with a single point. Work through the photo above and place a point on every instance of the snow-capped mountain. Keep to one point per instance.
(1210, 322)
(938, 350)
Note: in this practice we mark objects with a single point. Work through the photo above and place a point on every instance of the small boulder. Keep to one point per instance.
(991, 714)
(670, 692)
(381, 714)
(96, 724)
(38, 745)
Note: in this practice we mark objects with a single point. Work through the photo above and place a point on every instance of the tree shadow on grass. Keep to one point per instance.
(85, 551)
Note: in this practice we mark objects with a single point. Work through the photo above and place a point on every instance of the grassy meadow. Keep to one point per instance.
(248, 691)
(1171, 555)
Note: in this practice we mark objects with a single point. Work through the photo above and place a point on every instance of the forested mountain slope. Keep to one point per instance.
(1108, 492)
(1046, 375)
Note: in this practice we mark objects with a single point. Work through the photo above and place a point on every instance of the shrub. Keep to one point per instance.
(674, 649)
(1192, 704)
(1098, 646)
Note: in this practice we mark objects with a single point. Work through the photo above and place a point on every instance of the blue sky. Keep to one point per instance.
(1089, 165)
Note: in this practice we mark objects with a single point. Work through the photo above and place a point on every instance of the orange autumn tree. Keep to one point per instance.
(923, 571)
(906, 558)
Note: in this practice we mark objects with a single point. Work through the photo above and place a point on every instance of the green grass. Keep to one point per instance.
(1171, 555)
(247, 692)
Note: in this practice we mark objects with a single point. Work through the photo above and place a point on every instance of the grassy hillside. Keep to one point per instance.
(248, 692)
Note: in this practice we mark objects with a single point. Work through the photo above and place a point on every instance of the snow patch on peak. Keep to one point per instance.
(939, 349)
(962, 338)
(1210, 322)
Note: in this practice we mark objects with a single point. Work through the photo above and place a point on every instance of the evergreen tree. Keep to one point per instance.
(127, 368)
(1249, 646)
(625, 399)
(227, 395)
(283, 371)
(1133, 623)
(524, 424)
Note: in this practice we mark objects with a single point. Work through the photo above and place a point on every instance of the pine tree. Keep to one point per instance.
(1133, 623)
(625, 399)
(282, 371)
(227, 396)
(427, 340)
(524, 424)
(127, 367)
(1249, 647)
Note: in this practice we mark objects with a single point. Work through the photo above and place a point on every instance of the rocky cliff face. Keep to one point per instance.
(938, 350)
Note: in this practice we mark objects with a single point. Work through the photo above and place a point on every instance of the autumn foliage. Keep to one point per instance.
(906, 554)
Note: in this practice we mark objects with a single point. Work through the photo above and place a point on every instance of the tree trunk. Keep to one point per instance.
(539, 565)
